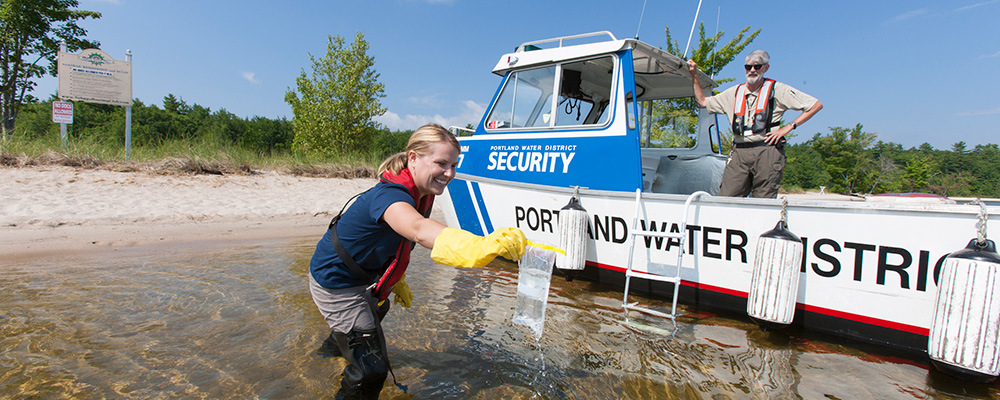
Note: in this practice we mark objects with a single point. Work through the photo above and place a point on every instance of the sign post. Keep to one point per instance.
(128, 110)
(62, 125)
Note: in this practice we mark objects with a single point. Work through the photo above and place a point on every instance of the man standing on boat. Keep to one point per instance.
(755, 109)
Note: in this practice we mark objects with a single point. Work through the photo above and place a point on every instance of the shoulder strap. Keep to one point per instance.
(352, 265)
(768, 107)
(346, 257)
(337, 217)
(740, 103)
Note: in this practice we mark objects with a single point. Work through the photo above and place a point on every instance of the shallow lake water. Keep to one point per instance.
(236, 321)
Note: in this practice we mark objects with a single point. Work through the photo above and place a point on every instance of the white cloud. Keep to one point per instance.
(470, 112)
(249, 76)
(994, 111)
(985, 3)
(994, 55)
(430, 101)
(909, 14)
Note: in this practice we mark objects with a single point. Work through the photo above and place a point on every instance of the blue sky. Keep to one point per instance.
(910, 71)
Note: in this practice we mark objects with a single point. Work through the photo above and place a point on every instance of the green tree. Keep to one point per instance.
(334, 109)
(983, 165)
(710, 59)
(174, 105)
(959, 147)
(388, 143)
(954, 184)
(804, 168)
(267, 136)
(918, 171)
(885, 177)
(30, 32)
(846, 158)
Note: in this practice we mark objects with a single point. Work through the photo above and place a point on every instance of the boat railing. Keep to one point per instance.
(561, 39)
(460, 131)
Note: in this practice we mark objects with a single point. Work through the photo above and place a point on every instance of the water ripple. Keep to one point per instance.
(238, 322)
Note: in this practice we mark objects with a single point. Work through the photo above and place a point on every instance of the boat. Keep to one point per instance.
(581, 119)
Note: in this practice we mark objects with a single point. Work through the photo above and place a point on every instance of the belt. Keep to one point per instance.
(746, 145)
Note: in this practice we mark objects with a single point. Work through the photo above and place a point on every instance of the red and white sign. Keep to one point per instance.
(62, 112)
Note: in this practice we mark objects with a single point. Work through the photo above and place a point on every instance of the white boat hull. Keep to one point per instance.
(873, 264)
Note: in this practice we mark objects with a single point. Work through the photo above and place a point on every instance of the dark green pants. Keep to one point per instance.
(754, 171)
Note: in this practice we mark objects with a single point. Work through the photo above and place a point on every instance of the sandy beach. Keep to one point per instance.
(52, 209)
(55, 209)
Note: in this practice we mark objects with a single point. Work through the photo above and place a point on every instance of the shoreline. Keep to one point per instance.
(53, 210)
(99, 237)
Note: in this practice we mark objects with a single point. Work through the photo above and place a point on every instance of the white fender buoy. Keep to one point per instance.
(965, 326)
(774, 286)
(572, 235)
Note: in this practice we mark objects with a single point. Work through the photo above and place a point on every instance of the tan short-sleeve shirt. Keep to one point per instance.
(785, 98)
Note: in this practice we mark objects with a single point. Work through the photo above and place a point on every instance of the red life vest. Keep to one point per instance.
(760, 122)
(397, 264)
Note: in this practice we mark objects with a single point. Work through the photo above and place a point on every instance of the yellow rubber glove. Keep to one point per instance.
(459, 248)
(403, 295)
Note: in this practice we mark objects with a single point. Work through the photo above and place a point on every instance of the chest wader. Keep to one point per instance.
(365, 349)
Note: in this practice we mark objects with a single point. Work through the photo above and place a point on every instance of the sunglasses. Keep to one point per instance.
(752, 66)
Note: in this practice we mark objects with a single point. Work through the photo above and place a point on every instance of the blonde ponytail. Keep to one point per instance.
(394, 163)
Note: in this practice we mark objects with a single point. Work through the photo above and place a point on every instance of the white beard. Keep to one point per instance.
(753, 81)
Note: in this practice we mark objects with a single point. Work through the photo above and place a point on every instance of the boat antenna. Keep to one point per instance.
(690, 35)
(640, 19)
(714, 51)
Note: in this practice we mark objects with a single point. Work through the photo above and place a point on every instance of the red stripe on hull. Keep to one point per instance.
(804, 307)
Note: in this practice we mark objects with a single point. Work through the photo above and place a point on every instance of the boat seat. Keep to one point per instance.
(649, 166)
(682, 174)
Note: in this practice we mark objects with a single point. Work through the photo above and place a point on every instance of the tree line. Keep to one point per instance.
(176, 120)
(850, 160)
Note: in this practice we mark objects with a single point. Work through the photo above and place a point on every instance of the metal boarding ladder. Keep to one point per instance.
(675, 279)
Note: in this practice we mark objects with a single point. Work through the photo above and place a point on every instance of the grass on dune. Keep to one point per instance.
(192, 156)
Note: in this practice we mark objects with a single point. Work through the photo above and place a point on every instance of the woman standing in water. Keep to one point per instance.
(365, 251)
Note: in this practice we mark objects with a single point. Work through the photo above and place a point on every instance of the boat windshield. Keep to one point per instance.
(584, 89)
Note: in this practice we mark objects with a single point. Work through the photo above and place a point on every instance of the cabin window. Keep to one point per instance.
(668, 123)
(584, 93)
(523, 99)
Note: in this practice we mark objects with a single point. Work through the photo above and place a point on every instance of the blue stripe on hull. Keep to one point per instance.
(461, 199)
(482, 207)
